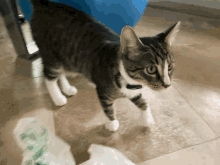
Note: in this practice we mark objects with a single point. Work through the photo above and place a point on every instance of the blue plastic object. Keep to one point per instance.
(113, 13)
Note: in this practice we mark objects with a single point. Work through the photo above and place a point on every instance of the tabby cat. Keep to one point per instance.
(70, 40)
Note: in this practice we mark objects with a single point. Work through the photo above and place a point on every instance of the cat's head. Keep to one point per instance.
(147, 60)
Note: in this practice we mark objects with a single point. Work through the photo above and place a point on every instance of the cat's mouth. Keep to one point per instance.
(157, 87)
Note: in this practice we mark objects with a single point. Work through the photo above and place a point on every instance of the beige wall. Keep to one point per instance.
(205, 3)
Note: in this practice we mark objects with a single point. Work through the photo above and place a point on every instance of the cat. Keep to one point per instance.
(70, 40)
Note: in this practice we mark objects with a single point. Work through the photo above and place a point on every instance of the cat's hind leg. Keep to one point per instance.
(51, 78)
(66, 88)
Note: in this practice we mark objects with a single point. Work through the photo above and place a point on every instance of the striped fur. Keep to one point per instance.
(139, 102)
(71, 41)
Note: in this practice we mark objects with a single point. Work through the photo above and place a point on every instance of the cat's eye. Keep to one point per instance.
(170, 66)
(150, 70)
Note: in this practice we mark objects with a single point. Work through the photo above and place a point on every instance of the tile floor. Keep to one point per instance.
(184, 121)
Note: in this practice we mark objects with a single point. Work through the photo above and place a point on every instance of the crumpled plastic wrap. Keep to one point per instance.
(42, 147)
(102, 155)
(39, 145)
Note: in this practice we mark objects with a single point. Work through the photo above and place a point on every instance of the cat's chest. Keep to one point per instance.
(130, 93)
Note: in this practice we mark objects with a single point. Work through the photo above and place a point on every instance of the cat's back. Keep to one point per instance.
(63, 20)
(56, 13)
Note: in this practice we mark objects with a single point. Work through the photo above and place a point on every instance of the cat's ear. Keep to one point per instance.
(130, 43)
(170, 34)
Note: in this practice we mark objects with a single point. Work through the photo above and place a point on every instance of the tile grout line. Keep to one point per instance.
(197, 112)
(183, 149)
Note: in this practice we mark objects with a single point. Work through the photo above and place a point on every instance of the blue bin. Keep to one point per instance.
(113, 13)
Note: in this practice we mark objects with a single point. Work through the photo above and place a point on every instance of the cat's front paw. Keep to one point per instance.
(70, 91)
(60, 100)
(145, 117)
(112, 125)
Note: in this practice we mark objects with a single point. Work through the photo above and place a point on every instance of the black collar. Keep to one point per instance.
(133, 87)
(128, 86)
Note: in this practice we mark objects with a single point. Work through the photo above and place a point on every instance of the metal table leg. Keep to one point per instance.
(10, 15)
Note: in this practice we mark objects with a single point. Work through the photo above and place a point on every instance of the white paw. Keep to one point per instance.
(145, 117)
(145, 123)
(112, 125)
(70, 91)
(92, 85)
(60, 100)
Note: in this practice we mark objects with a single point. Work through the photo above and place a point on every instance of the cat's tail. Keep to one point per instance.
(39, 2)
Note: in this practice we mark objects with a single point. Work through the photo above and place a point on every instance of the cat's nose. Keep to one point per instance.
(166, 85)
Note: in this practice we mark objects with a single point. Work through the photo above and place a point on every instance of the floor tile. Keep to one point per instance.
(205, 101)
(173, 124)
(203, 154)
(158, 19)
